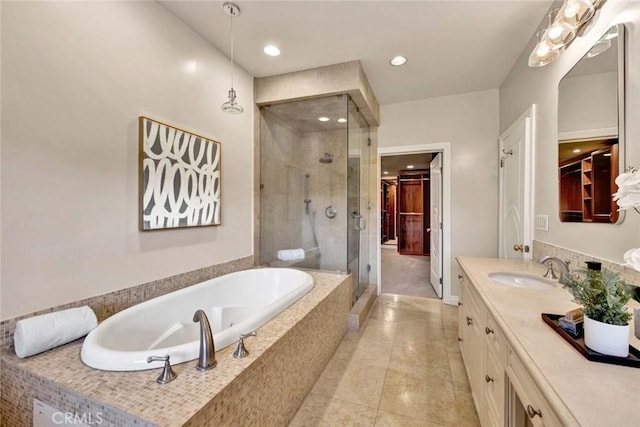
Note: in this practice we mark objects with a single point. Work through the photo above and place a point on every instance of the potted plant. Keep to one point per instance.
(606, 320)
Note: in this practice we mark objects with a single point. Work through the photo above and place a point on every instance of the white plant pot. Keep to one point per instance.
(612, 340)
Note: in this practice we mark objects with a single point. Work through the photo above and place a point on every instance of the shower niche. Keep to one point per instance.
(314, 186)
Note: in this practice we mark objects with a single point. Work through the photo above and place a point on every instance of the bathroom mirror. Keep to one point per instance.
(591, 132)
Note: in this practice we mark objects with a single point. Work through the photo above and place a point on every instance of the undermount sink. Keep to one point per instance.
(518, 280)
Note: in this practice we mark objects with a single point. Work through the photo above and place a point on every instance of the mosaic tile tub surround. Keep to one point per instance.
(109, 304)
(266, 388)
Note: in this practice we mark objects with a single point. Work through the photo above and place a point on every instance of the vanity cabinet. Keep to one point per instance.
(483, 349)
(503, 392)
(526, 404)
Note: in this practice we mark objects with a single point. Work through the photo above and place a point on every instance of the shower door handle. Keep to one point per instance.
(359, 222)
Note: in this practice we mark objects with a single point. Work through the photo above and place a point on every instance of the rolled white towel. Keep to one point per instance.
(290, 254)
(41, 333)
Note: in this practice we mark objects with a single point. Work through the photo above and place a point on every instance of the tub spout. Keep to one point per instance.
(207, 355)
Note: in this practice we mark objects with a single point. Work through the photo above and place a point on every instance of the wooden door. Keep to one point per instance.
(391, 210)
(410, 215)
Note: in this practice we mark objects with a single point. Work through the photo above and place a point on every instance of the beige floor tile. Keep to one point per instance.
(318, 410)
(458, 371)
(424, 361)
(405, 364)
(389, 419)
(428, 399)
(366, 351)
(467, 415)
(418, 333)
(351, 381)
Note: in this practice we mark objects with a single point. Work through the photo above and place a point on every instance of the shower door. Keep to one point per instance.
(358, 200)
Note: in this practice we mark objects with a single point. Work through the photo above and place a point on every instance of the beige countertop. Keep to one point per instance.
(581, 392)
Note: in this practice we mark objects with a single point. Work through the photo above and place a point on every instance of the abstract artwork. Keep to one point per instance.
(179, 177)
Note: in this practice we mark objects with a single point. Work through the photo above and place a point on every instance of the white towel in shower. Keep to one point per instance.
(290, 254)
(41, 333)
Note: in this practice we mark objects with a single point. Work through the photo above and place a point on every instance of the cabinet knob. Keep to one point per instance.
(488, 379)
(533, 412)
(469, 321)
(460, 339)
(460, 276)
(488, 330)
(460, 303)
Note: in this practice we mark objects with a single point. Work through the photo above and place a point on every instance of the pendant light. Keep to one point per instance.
(231, 106)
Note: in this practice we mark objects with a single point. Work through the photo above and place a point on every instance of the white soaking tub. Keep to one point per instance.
(235, 304)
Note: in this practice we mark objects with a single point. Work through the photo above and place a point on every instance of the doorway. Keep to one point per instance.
(406, 222)
(405, 230)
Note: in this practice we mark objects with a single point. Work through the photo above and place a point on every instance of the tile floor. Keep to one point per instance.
(405, 274)
(403, 368)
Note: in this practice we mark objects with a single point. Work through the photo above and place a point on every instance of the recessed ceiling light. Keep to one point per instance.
(410, 166)
(271, 50)
(398, 60)
(342, 120)
(577, 150)
(323, 119)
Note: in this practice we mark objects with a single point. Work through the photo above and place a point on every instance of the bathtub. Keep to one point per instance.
(235, 304)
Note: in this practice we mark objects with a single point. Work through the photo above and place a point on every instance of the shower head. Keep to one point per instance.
(327, 158)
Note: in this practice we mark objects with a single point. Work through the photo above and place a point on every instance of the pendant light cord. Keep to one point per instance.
(232, 64)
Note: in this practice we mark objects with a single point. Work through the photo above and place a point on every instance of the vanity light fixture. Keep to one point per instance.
(386, 172)
(410, 166)
(231, 106)
(342, 120)
(272, 50)
(323, 119)
(396, 61)
(563, 26)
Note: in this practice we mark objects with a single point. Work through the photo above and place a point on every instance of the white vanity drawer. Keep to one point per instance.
(495, 340)
(534, 404)
(494, 387)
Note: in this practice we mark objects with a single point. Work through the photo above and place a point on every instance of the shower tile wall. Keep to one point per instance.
(287, 155)
(328, 187)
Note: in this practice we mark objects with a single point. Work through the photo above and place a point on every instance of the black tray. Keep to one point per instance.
(632, 360)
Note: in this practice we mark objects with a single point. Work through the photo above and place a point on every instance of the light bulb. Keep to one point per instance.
(543, 49)
(572, 8)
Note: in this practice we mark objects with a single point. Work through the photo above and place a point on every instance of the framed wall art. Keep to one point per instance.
(180, 177)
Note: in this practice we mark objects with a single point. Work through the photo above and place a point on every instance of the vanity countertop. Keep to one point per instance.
(581, 392)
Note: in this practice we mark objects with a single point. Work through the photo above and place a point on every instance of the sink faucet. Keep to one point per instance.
(207, 355)
(562, 265)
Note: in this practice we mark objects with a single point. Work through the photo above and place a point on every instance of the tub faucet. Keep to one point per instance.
(207, 355)
(562, 265)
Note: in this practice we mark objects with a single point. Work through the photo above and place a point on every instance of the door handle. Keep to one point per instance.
(428, 230)
(520, 248)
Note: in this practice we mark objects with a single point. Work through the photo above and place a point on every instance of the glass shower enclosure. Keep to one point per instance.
(314, 187)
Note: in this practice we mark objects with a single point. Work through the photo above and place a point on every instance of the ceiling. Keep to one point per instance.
(453, 46)
(396, 163)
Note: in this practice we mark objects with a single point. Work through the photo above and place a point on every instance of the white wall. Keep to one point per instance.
(524, 86)
(75, 78)
(470, 123)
